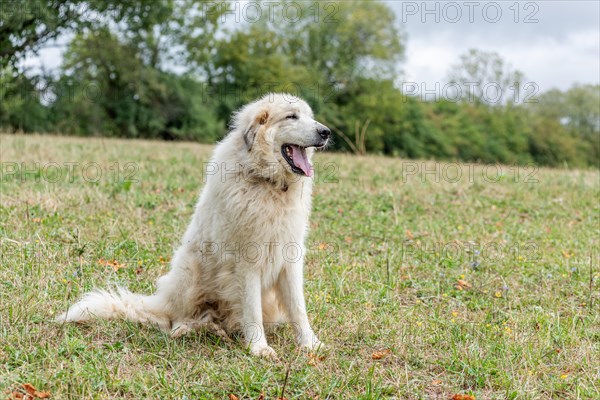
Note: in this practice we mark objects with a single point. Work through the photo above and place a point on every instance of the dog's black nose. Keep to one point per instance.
(324, 132)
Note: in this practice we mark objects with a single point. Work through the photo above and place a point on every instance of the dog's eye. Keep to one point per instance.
(292, 116)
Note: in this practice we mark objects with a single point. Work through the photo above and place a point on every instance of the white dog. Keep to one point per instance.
(240, 263)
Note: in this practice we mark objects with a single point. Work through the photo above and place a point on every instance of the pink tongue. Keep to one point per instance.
(301, 161)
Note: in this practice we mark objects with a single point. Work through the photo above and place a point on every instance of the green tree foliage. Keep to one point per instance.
(345, 41)
(118, 79)
(108, 89)
(566, 126)
(27, 25)
(485, 78)
(319, 51)
(20, 106)
(113, 80)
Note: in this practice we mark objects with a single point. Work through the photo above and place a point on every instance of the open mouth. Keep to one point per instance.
(297, 159)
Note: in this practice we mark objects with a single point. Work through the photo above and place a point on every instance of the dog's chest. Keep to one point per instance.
(283, 224)
(286, 223)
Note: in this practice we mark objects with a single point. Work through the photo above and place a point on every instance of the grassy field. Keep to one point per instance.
(423, 285)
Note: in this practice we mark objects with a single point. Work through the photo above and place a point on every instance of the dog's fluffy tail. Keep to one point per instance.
(117, 304)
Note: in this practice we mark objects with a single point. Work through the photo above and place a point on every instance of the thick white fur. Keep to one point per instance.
(239, 265)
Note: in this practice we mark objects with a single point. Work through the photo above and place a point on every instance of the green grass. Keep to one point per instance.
(386, 250)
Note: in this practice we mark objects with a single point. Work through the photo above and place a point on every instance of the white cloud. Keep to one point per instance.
(561, 49)
(554, 63)
(548, 61)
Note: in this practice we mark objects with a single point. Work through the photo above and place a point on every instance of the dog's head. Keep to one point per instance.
(280, 136)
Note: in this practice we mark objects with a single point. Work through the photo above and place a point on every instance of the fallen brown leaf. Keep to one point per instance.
(29, 388)
(233, 397)
(114, 264)
(314, 359)
(462, 397)
(464, 284)
(30, 393)
(378, 355)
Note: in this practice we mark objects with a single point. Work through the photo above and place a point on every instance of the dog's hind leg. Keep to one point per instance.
(179, 289)
(273, 315)
(203, 323)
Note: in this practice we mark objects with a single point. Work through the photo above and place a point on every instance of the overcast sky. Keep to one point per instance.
(555, 43)
(558, 46)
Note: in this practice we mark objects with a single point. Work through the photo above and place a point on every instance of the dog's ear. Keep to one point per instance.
(260, 120)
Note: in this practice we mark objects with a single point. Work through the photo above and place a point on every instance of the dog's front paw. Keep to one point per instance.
(313, 344)
(264, 351)
(310, 341)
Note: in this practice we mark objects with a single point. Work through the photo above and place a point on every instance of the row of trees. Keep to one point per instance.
(176, 70)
